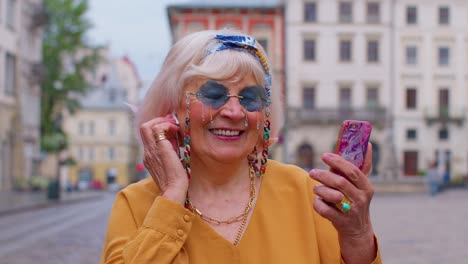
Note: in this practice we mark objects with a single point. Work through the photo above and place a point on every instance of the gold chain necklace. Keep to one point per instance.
(242, 217)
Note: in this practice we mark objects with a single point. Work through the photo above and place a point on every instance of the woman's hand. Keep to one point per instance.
(161, 159)
(354, 226)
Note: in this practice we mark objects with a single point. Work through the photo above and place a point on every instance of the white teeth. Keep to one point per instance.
(229, 133)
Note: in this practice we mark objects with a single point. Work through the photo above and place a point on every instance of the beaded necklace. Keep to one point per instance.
(242, 217)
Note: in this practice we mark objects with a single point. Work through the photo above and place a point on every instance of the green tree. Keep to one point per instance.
(68, 58)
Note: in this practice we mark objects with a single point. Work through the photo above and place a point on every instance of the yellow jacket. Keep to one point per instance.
(284, 227)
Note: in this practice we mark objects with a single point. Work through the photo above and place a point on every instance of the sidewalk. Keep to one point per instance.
(395, 188)
(13, 201)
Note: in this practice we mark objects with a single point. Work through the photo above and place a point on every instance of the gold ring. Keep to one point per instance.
(160, 136)
(344, 205)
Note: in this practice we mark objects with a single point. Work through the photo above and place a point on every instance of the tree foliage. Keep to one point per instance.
(68, 58)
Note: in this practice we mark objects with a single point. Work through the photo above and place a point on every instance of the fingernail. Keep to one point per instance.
(313, 173)
(328, 157)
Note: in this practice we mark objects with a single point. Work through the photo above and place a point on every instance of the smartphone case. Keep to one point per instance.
(352, 141)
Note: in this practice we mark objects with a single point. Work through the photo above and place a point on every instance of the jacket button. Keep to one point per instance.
(180, 232)
(186, 218)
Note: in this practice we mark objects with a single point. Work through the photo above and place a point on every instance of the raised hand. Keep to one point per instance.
(161, 159)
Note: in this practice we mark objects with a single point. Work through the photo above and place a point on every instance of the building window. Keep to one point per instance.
(10, 75)
(80, 128)
(411, 98)
(444, 56)
(103, 79)
(91, 128)
(309, 50)
(411, 15)
(411, 134)
(112, 95)
(230, 25)
(80, 153)
(91, 154)
(372, 51)
(195, 26)
(345, 50)
(264, 43)
(111, 153)
(112, 127)
(345, 10)
(345, 100)
(411, 55)
(444, 101)
(309, 97)
(410, 163)
(310, 12)
(372, 97)
(373, 12)
(443, 134)
(444, 15)
(10, 14)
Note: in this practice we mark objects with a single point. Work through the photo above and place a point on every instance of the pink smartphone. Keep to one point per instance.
(352, 141)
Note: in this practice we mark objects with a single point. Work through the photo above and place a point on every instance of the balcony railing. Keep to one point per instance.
(445, 115)
(297, 116)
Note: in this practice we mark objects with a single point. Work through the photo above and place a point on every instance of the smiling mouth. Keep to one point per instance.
(226, 133)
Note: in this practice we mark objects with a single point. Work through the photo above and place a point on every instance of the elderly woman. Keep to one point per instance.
(213, 195)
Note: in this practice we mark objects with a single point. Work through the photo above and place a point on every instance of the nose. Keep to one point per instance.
(233, 109)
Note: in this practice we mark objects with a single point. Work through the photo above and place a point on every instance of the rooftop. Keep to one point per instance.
(111, 95)
(228, 4)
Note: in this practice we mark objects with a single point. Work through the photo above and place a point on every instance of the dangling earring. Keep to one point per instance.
(265, 153)
(266, 142)
(253, 160)
(186, 157)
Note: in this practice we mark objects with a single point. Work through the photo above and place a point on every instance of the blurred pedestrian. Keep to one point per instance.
(433, 178)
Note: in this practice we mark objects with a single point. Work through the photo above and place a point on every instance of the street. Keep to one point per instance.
(63, 234)
(418, 228)
(412, 228)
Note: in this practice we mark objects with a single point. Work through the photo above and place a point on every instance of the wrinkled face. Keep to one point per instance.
(226, 117)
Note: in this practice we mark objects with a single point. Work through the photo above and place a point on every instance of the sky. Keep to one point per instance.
(136, 28)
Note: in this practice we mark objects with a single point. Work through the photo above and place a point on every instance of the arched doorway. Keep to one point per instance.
(305, 156)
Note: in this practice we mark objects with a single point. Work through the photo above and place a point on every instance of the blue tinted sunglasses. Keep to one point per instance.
(215, 95)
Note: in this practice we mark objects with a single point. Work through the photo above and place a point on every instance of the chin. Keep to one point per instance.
(230, 154)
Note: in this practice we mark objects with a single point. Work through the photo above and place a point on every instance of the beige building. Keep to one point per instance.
(20, 73)
(401, 64)
(338, 67)
(431, 86)
(102, 136)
